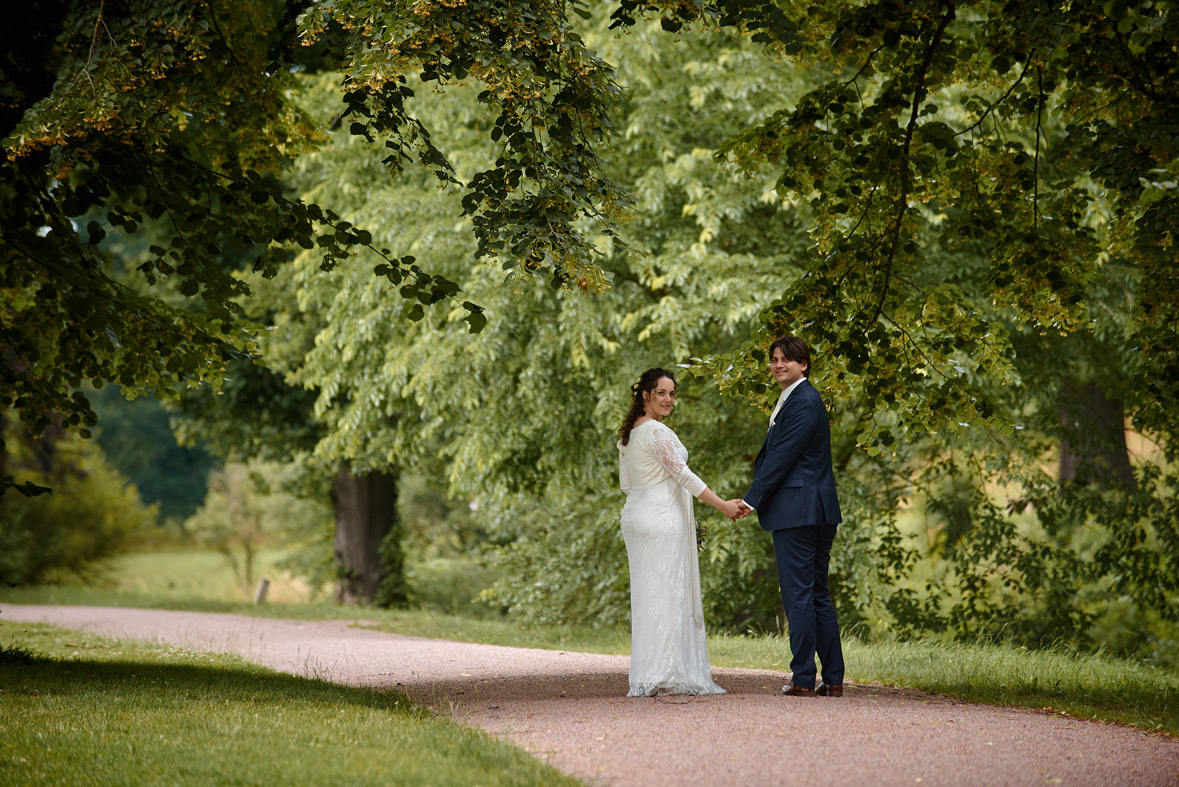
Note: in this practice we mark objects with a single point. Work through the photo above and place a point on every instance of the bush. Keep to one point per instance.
(92, 513)
(564, 562)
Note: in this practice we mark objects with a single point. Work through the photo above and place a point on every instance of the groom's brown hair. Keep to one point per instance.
(794, 349)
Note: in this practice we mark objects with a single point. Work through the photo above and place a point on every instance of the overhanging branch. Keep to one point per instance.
(906, 171)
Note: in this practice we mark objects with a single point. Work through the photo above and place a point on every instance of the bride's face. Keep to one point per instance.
(661, 400)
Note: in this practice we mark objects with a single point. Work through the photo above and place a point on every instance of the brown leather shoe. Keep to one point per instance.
(791, 690)
(829, 691)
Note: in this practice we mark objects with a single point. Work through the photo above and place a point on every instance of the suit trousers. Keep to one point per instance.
(803, 555)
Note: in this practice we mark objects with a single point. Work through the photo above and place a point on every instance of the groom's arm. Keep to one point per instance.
(790, 436)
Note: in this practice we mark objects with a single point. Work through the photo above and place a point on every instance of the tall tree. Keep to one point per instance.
(257, 415)
(178, 115)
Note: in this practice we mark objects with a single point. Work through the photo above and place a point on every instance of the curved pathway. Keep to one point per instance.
(570, 709)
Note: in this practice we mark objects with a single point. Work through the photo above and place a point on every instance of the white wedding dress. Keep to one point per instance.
(668, 654)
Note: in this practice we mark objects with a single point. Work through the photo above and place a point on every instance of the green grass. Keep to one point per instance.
(1082, 685)
(80, 709)
(1086, 686)
(202, 580)
(194, 575)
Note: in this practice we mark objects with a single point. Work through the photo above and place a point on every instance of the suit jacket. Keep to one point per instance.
(793, 483)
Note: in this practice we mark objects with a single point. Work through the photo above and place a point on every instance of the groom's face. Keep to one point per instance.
(786, 371)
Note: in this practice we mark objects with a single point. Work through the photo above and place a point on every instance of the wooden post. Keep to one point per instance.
(260, 593)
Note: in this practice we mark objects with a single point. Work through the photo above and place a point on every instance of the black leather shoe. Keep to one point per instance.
(791, 690)
(829, 691)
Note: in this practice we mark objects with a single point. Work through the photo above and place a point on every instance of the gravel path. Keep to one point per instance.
(571, 709)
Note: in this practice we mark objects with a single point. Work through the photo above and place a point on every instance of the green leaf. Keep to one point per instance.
(476, 321)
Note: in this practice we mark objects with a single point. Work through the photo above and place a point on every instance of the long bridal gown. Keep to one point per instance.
(668, 654)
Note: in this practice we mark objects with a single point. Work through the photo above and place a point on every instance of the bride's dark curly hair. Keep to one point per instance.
(647, 382)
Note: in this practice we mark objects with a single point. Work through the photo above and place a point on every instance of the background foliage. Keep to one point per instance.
(954, 323)
(251, 507)
(93, 513)
(137, 439)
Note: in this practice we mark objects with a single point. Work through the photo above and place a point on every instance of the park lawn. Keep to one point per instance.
(81, 709)
(202, 580)
(190, 575)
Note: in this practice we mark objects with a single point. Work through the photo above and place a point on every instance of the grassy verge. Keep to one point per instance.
(81, 709)
(1086, 686)
(199, 581)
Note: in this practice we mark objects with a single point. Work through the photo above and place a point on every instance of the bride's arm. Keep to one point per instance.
(664, 444)
(727, 507)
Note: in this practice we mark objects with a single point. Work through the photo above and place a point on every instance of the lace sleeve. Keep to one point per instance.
(623, 475)
(665, 443)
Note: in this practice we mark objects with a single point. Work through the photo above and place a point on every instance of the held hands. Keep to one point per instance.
(730, 509)
(735, 509)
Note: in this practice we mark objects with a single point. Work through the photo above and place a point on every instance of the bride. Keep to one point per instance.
(668, 654)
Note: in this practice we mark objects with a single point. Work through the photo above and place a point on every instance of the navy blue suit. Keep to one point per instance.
(793, 492)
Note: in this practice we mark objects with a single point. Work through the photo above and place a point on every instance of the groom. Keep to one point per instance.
(793, 492)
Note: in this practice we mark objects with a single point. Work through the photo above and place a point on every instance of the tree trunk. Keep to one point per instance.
(1093, 443)
(366, 511)
(4, 453)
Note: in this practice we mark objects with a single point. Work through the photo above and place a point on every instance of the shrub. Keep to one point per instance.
(92, 513)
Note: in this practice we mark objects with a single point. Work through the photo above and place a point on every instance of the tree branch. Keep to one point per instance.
(864, 214)
(906, 172)
(1036, 166)
(86, 68)
(867, 63)
(1003, 98)
(915, 345)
